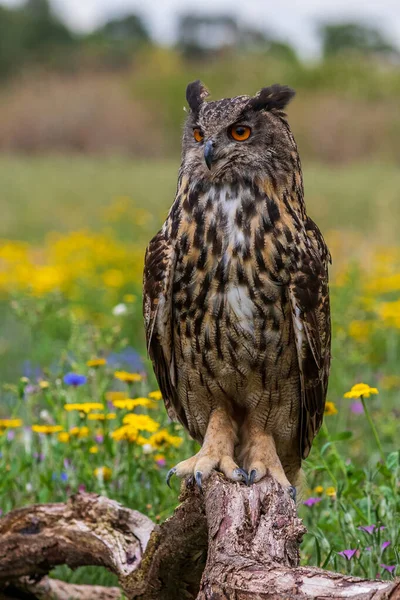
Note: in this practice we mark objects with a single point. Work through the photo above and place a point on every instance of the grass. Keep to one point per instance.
(71, 292)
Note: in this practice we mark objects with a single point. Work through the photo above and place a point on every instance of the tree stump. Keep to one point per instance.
(228, 541)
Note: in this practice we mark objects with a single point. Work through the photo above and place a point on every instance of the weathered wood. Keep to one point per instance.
(227, 542)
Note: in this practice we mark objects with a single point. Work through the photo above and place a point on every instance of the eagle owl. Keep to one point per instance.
(236, 299)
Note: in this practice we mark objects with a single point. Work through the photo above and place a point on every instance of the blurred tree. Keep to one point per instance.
(339, 38)
(126, 29)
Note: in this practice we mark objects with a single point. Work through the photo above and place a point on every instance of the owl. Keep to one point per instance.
(236, 299)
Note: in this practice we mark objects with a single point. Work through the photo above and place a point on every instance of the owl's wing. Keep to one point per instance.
(158, 278)
(309, 299)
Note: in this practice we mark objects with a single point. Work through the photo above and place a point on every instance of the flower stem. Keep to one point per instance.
(374, 430)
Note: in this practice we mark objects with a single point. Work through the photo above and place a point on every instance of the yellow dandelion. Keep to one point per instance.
(103, 473)
(101, 417)
(43, 384)
(63, 437)
(84, 407)
(113, 396)
(141, 422)
(96, 362)
(128, 377)
(360, 389)
(93, 450)
(10, 423)
(330, 409)
(163, 438)
(319, 490)
(331, 492)
(129, 298)
(131, 403)
(156, 395)
(80, 432)
(47, 428)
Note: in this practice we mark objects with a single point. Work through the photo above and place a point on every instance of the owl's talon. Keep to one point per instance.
(292, 493)
(169, 475)
(252, 477)
(243, 474)
(198, 477)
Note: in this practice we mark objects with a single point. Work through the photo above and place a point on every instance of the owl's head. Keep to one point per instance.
(245, 136)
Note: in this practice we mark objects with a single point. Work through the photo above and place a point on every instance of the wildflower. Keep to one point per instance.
(311, 501)
(389, 568)
(163, 438)
(64, 476)
(63, 437)
(10, 423)
(141, 422)
(129, 433)
(99, 439)
(130, 404)
(47, 428)
(367, 528)
(357, 408)
(43, 384)
(360, 389)
(101, 417)
(147, 448)
(128, 377)
(348, 554)
(384, 545)
(331, 492)
(80, 432)
(119, 310)
(93, 450)
(330, 409)
(96, 362)
(10, 435)
(104, 473)
(156, 395)
(319, 489)
(113, 396)
(160, 460)
(84, 407)
(74, 379)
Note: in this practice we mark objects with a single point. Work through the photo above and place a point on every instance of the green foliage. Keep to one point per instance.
(341, 38)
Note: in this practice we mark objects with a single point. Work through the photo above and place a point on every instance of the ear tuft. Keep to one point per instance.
(195, 94)
(275, 96)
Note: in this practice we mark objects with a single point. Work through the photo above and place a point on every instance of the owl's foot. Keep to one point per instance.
(260, 457)
(215, 454)
(201, 466)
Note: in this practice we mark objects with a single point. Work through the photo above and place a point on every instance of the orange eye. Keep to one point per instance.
(198, 135)
(240, 133)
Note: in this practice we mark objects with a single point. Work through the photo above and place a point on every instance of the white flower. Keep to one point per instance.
(119, 309)
(45, 416)
(147, 448)
(29, 487)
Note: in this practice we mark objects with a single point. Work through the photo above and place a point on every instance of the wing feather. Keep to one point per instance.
(309, 298)
(158, 278)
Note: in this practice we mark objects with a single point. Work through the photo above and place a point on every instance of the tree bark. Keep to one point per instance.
(228, 541)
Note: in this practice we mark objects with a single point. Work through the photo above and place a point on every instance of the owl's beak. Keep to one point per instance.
(209, 153)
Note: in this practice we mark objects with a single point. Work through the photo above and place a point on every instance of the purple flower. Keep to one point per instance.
(368, 548)
(81, 488)
(99, 438)
(161, 462)
(311, 501)
(67, 463)
(388, 568)
(10, 435)
(368, 528)
(385, 545)
(348, 554)
(75, 379)
(357, 408)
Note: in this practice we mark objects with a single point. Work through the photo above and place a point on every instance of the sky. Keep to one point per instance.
(293, 20)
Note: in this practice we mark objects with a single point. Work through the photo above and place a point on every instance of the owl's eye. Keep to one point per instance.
(198, 134)
(240, 133)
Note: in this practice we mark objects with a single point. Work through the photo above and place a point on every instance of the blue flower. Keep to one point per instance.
(74, 379)
(64, 476)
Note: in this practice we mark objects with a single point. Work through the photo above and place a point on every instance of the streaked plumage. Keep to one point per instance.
(236, 299)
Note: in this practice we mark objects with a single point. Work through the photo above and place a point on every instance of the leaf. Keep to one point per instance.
(393, 460)
(341, 437)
